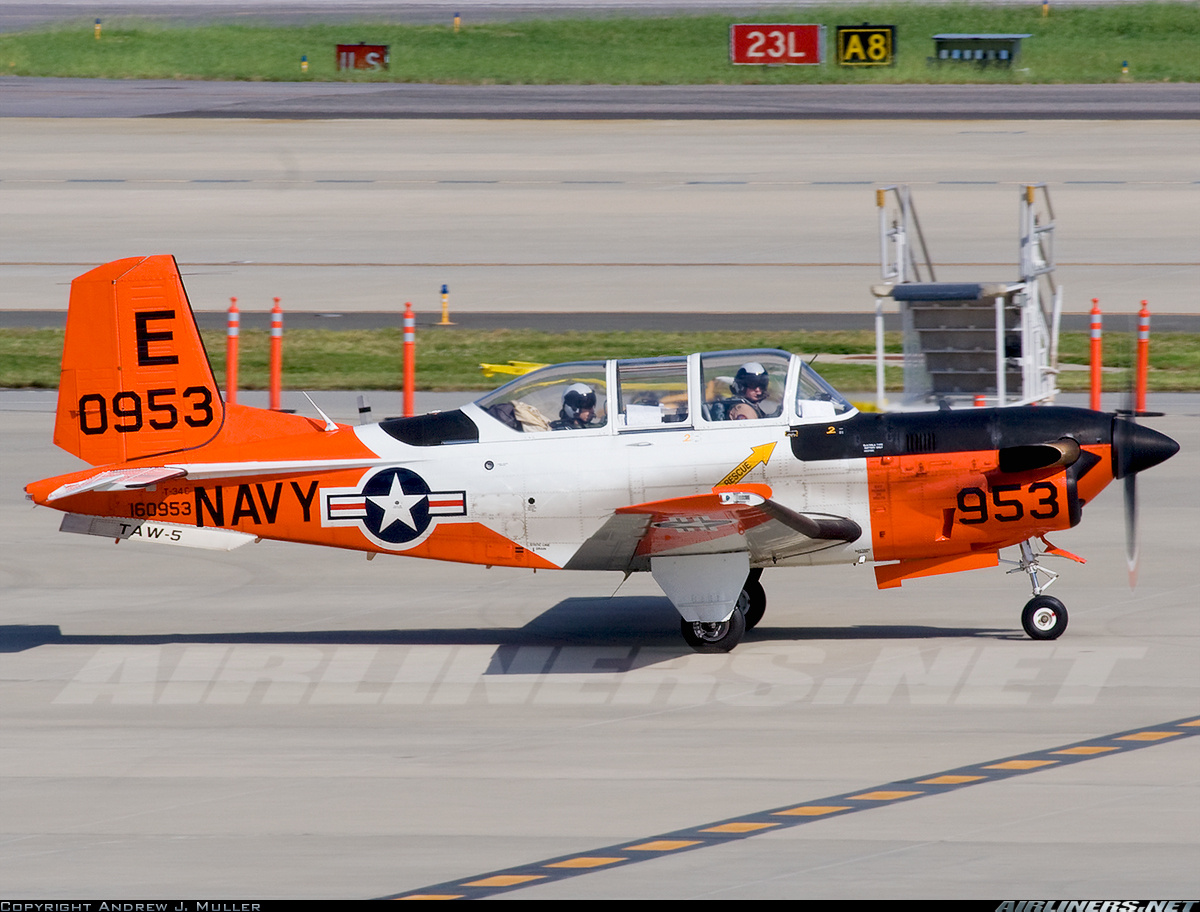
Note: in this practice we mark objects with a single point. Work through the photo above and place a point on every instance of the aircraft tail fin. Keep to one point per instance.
(136, 380)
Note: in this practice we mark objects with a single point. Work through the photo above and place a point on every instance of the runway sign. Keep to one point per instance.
(362, 57)
(787, 44)
(866, 45)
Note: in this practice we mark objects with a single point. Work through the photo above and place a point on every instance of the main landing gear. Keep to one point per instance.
(753, 600)
(1044, 617)
(722, 636)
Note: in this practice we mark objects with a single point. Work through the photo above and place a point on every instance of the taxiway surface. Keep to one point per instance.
(284, 721)
(590, 216)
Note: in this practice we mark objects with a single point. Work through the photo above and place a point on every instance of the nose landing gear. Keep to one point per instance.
(1044, 617)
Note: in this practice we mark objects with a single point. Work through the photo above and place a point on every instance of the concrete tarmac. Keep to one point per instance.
(588, 217)
(286, 722)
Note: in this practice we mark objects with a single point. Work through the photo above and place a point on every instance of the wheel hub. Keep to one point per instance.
(1044, 619)
(710, 633)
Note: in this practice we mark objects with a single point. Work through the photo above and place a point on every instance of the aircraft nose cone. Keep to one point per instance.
(1136, 448)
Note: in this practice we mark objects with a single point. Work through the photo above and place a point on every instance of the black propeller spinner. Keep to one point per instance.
(1135, 448)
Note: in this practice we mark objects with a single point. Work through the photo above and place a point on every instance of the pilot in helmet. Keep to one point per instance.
(578, 408)
(749, 388)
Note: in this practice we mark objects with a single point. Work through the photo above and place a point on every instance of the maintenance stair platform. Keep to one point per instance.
(982, 343)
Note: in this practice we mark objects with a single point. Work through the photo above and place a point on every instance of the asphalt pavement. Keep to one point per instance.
(36, 97)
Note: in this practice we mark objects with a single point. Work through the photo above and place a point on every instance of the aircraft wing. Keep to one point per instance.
(727, 519)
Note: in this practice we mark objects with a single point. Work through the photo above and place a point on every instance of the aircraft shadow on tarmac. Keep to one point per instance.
(632, 621)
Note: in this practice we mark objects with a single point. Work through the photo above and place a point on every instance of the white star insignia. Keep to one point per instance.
(397, 506)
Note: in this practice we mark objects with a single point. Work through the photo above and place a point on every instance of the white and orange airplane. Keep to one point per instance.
(627, 465)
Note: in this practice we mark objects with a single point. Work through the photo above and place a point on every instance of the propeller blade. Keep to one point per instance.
(1123, 446)
(1136, 448)
(1131, 528)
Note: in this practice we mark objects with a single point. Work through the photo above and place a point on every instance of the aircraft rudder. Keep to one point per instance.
(136, 380)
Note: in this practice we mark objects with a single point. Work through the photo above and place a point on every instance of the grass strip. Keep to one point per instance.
(449, 359)
(1157, 42)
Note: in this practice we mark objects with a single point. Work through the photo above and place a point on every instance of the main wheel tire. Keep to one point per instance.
(756, 603)
(1044, 618)
(713, 638)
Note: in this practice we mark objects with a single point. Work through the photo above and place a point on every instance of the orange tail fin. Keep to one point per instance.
(136, 380)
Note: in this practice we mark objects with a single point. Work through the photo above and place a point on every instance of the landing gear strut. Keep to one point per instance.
(1044, 617)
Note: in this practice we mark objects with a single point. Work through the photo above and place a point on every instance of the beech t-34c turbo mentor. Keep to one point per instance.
(703, 470)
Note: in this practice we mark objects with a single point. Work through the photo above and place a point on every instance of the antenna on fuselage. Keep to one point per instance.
(330, 427)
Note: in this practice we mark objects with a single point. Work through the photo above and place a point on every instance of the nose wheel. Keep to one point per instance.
(1044, 618)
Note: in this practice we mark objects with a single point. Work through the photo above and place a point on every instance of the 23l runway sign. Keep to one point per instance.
(783, 44)
(866, 45)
